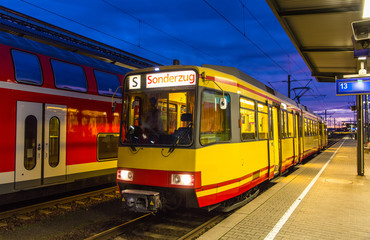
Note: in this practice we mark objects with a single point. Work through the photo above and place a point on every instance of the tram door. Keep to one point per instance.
(275, 143)
(40, 144)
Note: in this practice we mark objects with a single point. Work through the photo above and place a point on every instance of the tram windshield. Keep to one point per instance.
(159, 118)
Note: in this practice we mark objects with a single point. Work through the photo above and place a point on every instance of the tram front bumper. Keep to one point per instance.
(141, 200)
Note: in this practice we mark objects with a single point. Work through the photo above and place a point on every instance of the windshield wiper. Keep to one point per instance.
(131, 135)
(179, 138)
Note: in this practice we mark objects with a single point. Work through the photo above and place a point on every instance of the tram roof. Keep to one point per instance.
(321, 32)
(245, 77)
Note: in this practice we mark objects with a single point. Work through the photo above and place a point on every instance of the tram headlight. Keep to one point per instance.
(125, 175)
(182, 179)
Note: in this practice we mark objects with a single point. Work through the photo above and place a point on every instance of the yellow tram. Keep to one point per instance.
(206, 137)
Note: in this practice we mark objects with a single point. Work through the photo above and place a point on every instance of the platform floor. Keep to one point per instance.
(322, 199)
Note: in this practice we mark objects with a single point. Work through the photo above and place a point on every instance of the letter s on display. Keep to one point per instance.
(134, 82)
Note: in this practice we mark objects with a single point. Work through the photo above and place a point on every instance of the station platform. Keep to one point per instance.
(322, 199)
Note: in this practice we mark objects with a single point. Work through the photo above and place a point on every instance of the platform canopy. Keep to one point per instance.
(322, 33)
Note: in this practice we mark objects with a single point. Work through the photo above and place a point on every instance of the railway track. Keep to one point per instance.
(176, 225)
(170, 225)
(167, 225)
(17, 216)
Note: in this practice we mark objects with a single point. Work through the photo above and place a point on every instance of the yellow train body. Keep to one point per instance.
(206, 153)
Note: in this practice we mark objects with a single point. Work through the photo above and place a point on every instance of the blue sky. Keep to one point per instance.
(239, 33)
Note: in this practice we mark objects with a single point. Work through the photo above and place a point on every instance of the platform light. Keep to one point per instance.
(366, 12)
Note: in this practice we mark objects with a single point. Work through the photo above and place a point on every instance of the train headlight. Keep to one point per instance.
(182, 179)
(125, 175)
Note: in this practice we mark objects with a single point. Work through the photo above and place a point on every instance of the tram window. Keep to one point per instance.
(107, 146)
(69, 76)
(248, 119)
(263, 124)
(290, 125)
(311, 128)
(107, 83)
(305, 126)
(299, 126)
(27, 67)
(157, 117)
(284, 124)
(30, 142)
(54, 141)
(172, 118)
(271, 124)
(214, 122)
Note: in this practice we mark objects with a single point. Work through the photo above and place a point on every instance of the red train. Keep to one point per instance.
(57, 123)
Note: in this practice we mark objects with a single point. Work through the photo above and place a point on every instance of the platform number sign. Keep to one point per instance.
(356, 86)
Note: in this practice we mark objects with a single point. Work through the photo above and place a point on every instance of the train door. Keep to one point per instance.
(40, 144)
(275, 145)
(28, 145)
(298, 137)
(54, 144)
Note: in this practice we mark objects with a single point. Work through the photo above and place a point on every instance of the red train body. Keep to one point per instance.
(57, 123)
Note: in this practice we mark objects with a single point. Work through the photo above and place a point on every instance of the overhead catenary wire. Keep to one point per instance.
(268, 32)
(141, 21)
(94, 29)
(159, 30)
(245, 36)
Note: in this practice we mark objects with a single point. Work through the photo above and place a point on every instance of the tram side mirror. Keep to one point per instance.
(223, 103)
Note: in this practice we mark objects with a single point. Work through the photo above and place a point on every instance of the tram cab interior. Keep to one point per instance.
(160, 118)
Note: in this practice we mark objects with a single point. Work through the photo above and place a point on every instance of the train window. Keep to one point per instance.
(305, 126)
(69, 76)
(136, 111)
(311, 128)
(248, 119)
(290, 125)
(160, 118)
(214, 122)
(299, 121)
(27, 67)
(263, 124)
(30, 142)
(107, 83)
(172, 118)
(162, 106)
(107, 146)
(284, 124)
(271, 123)
(54, 141)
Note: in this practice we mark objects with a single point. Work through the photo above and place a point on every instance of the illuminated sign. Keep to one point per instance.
(134, 82)
(355, 86)
(171, 79)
